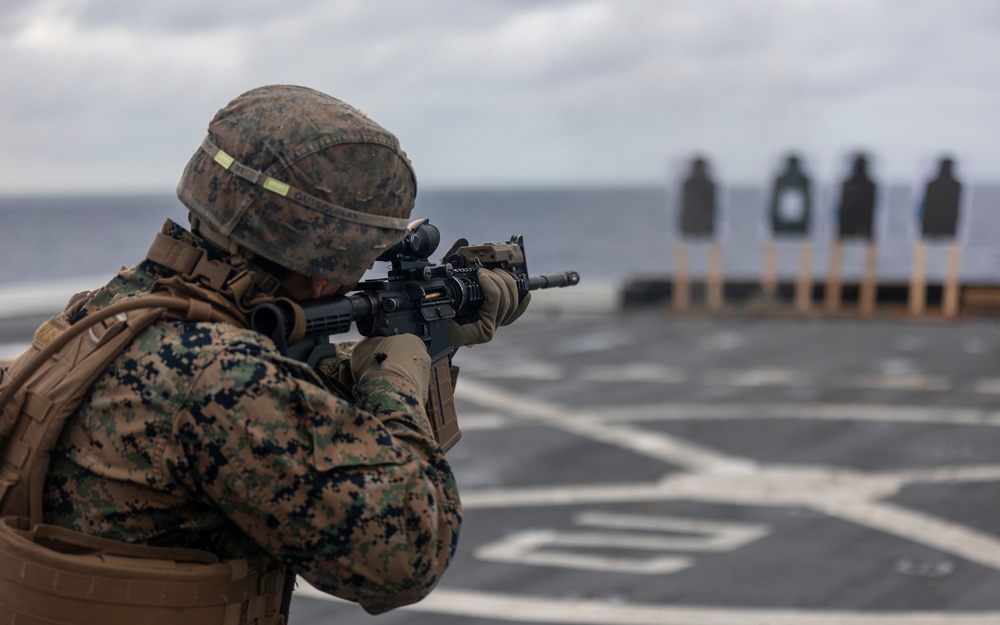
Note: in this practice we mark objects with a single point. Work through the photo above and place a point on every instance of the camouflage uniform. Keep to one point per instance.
(202, 435)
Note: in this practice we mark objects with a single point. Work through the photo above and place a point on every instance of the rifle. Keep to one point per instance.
(416, 297)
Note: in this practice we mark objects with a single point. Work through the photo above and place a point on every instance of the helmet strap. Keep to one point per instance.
(216, 238)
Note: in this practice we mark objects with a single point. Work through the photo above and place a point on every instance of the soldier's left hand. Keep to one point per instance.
(501, 306)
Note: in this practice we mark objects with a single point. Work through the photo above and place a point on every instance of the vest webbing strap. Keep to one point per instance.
(55, 575)
(189, 261)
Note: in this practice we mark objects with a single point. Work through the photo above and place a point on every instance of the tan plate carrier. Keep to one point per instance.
(54, 575)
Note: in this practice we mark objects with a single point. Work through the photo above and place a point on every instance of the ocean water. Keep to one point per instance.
(608, 235)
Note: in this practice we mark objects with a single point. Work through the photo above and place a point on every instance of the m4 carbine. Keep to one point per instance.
(416, 297)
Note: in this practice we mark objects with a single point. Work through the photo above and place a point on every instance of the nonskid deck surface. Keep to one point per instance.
(638, 468)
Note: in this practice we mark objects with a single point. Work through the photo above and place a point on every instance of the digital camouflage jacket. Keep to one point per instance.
(202, 435)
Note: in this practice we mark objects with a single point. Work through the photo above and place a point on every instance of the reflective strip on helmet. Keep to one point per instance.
(224, 159)
(300, 197)
(275, 186)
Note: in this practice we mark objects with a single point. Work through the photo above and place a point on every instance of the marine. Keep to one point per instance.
(201, 438)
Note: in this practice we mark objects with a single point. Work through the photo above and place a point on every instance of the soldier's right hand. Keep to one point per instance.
(404, 356)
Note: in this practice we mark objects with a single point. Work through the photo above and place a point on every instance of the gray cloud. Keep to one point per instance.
(116, 94)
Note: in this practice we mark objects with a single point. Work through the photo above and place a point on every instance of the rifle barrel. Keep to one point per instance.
(553, 280)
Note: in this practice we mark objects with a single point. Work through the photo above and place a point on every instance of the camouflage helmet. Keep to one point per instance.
(302, 179)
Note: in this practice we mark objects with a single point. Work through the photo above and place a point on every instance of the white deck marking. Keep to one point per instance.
(529, 609)
(641, 372)
(675, 534)
(524, 370)
(721, 478)
(897, 381)
(811, 412)
(987, 385)
(949, 537)
(712, 535)
(894, 377)
(713, 477)
(487, 421)
(756, 377)
(526, 547)
(948, 475)
(655, 445)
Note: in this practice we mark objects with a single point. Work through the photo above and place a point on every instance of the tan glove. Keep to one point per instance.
(404, 356)
(500, 307)
(335, 371)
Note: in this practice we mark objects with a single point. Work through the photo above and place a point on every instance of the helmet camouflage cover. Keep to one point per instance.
(302, 179)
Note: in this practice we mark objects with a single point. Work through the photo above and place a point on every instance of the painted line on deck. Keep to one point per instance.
(659, 446)
(640, 372)
(680, 411)
(720, 478)
(989, 386)
(652, 534)
(529, 609)
(895, 382)
(659, 373)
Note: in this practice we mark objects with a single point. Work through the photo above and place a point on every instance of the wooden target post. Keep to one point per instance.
(918, 282)
(869, 281)
(834, 289)
(682, 284)
(714, 284)
(803, 281)
(949, 305)
(804, 284)
(769, 276)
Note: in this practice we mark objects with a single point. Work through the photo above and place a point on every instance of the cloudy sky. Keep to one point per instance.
(114, 95)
